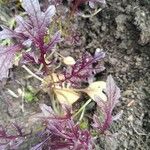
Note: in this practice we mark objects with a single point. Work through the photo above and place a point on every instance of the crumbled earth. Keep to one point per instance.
(122, 30)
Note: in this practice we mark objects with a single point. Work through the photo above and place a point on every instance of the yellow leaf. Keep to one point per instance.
(66, 96)
(96, 89)
(51, 80)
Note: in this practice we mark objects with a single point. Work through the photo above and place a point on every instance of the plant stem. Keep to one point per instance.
(83, 107)
(31, 73)
(82, 114)
(91, 15)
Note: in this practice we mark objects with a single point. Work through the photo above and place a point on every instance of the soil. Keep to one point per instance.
(122, 30)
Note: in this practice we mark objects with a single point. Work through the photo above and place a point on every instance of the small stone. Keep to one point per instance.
(130, 132)
(127, 93)
(103, 27)
(132, 96)
(130, 118)
(113, 61)
(132, 142)
(125, 144)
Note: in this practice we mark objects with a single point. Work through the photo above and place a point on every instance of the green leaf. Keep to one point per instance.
(29, 96)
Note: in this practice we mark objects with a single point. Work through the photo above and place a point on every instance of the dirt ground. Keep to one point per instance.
(122, 30)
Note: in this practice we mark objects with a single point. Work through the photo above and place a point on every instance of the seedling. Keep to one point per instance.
(30, 94)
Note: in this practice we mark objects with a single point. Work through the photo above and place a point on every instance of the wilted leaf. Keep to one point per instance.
(97, 89)
(66, 96)
(52, 80)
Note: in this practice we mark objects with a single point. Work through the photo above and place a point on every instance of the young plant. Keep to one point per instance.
(61, 132)
(30, 32)
(84, 69)
(104, 118)
(68, 83)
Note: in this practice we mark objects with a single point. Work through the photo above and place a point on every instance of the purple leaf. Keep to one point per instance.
(112, 92)
(32, 7)
(29, 57)
(55, 39)
(104, 119)
(83, 69)
(62, 133)
(34, 27)
(117, 116)
(24, 27)
(11, 141)
(38, 20)
(6, 59)
(7, 33)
